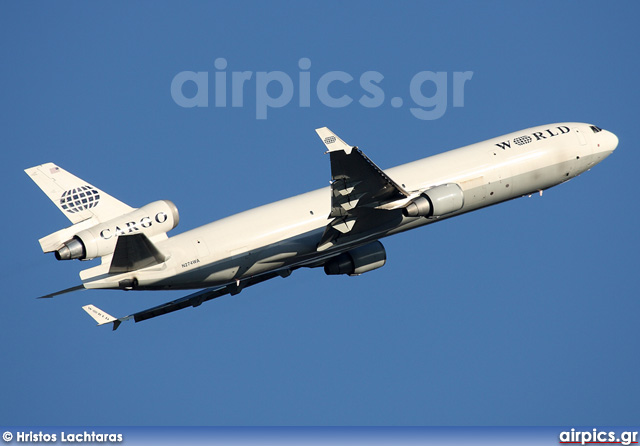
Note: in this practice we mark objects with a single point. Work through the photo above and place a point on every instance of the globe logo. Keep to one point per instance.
(522, 140)
(79, 199)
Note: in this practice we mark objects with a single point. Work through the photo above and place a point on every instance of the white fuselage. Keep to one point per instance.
(284, 235)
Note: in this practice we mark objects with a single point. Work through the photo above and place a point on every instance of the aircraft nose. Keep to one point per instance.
(609, 141)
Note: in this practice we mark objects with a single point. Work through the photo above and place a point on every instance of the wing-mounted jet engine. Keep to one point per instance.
(436, 202)
(358, 260)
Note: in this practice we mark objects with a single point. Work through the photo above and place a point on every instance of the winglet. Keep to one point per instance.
(101, 317)
(333, 141)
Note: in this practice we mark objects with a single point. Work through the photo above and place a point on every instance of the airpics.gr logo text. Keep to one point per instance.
(428, 90)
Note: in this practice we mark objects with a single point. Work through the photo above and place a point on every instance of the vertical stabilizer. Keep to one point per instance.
(76, 199)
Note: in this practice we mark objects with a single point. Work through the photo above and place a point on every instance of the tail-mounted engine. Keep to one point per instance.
(99, 240)
(435, 202)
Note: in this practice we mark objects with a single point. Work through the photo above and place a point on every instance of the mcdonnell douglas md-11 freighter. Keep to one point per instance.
(337, 227)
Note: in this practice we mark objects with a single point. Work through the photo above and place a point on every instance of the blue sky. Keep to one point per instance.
(520, 314)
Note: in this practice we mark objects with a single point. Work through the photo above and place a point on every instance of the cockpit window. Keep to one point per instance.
(595, 129)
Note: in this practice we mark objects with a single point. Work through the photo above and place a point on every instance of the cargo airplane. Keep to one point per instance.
(337, 227)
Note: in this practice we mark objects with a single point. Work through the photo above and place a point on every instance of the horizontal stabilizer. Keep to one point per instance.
(57, 293)
(134, 252)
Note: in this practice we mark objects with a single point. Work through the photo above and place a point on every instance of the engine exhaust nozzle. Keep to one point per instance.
(73, 249)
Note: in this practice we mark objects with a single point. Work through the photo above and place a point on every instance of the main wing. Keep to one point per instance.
(192, 300)
(361, 193)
